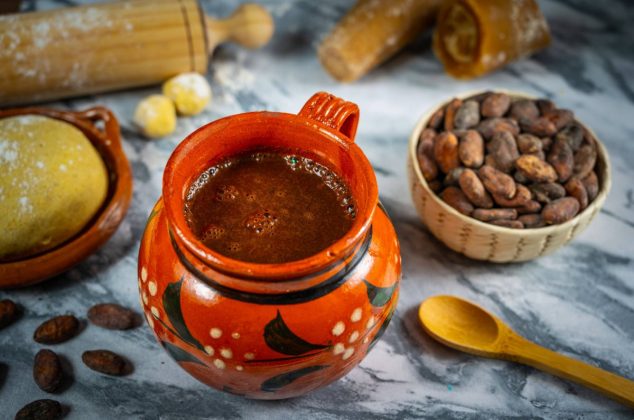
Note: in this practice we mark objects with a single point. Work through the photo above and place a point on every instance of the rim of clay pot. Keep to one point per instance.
(107, 141)
(177, 179)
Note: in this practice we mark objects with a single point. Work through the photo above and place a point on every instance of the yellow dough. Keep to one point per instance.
(53, 182)
(189, 91)
(155, 116)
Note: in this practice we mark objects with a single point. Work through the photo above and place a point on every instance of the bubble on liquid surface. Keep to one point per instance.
(235, 246)
(227, 193)
(262, 221)
(212, 232)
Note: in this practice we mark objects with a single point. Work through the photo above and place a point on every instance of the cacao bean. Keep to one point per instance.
(560, 210)
(575, 189)
(585, 159)
(427, 167)
(546, 143)
(490, 126)
(471, 149)
(591, 182)
(524, 109)
(456, 199)
(446, 151)
(436, 119)
(426, 142)
(57, 330)
(105, 361)
(488, 215)
(518, 177)
(541, 127)
(559, 117)
(545, 106)
(112, 316)
(513, 224)
(495, 105)
(40, 410)
(520, 199)
(435, 185)
(47, 370)
(535, 169)
(529, 145)
(472, 187)
(450, 113)
(571, 134)
(497, 182)
(562, 159)
(548, 191)
(468, 115)
(8, 312)
(531, 206)
(503, 150)
(532, 220)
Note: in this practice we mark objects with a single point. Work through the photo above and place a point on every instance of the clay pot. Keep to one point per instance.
(270, 331)
(101, 128)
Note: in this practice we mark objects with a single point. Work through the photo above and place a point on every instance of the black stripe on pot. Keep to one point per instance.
(288, 298)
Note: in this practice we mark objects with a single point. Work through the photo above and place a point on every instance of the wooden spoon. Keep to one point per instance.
(467, 327)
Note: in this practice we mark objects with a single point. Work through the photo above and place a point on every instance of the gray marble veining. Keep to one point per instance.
(579, 301)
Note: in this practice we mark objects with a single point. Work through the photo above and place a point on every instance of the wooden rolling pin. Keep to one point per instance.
(371, 32)
(101, 47)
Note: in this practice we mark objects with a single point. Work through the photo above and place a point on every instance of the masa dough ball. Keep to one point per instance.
(155, 116)
(189, 91)
(53, 182)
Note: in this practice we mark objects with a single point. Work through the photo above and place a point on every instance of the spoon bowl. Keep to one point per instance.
(467, 327)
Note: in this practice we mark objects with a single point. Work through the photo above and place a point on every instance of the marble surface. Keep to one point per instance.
(579, 301)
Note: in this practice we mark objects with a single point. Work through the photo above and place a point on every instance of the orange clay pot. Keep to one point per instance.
(270, 331)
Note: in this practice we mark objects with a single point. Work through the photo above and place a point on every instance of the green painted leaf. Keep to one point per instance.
(281, 339)
(379, 296)
(382, 328)
(179, 354)
(275, 383)
(172, 306)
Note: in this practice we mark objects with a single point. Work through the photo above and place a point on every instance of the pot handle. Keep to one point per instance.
(333, 112)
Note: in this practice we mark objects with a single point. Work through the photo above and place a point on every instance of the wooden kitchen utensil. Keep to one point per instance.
(465, 326)
(100, 47)
(371, 32)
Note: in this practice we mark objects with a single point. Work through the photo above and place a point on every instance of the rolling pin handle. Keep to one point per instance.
(250, 25)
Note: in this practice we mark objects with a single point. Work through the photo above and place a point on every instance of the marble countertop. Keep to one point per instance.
(579, 301)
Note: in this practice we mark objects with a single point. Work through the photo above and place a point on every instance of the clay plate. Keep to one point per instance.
(100, 126)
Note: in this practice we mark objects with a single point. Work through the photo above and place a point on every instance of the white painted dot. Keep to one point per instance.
(226, 353)
(353, 336)
(338, 348)
(150, 322)
(154, 311)
(339, 328)
(235, 335)
(143, 275)
(365, 340)
(356, 315)
(151, 286)
(239, 368)
(370, 323)
(219, 364)
(249, 356)
(144, 295)
(215, 333)
(209, 350)
(347, 353)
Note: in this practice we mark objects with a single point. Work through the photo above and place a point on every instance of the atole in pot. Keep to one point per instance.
(270, 331)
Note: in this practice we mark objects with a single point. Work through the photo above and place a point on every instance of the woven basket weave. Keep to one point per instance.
(484, 241)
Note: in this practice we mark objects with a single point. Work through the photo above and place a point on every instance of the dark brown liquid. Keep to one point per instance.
(269, 207)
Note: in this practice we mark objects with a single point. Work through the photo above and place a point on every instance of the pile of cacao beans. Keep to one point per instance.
(512, 162)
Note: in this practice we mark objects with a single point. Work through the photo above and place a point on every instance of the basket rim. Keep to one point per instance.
(605, 176)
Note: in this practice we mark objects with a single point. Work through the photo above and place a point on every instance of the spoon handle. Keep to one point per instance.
(614, 386)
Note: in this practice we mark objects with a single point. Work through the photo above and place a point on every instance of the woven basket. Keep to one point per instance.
(484, 241)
